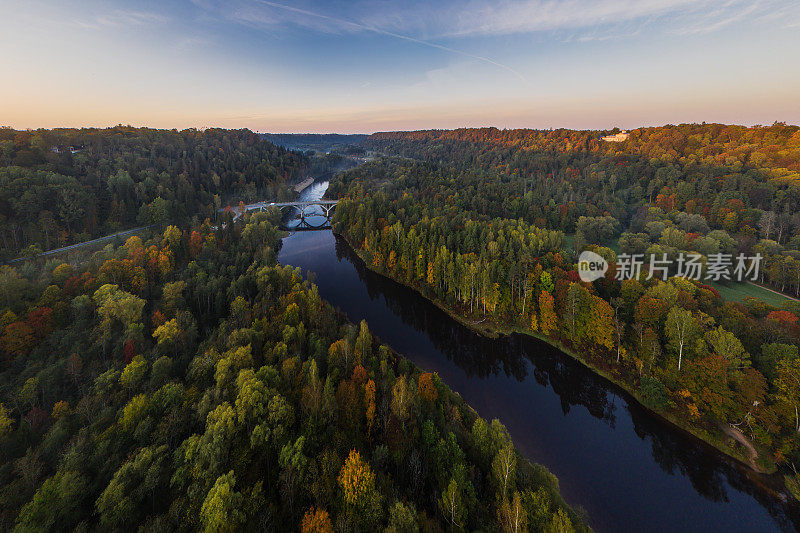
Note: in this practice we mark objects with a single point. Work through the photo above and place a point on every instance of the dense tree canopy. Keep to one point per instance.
(218, 392)
(61, 186)
(489, 223)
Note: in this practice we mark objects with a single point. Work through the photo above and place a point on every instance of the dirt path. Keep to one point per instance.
(774, 291)
(737, 435)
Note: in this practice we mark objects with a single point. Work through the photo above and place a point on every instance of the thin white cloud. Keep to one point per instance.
(273, 16)
(510, 17)
(580, 20)
(481, 17)
(430, 24)
(331, 24)
(122, 19)
(719, 19)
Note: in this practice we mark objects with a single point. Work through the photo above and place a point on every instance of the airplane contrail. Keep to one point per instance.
(396, 36)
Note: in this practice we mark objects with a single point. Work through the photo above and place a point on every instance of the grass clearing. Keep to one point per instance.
(737, 292)
(732, 291)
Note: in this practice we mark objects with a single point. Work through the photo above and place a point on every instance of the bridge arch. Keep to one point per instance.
(306, 212)
(326, 206)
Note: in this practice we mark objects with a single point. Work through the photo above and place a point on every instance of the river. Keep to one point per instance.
(629, 470)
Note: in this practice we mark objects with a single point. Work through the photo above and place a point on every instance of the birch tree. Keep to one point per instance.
(680, 329)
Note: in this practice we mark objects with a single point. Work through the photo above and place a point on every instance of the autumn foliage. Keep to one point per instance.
(316, 521)
(489, 223)
(356, 479)
(17, 339)
(369, 400)
(426, 387)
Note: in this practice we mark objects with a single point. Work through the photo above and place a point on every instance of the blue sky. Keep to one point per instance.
(369, 66)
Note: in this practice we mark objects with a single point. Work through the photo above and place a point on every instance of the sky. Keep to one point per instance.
(365, 66)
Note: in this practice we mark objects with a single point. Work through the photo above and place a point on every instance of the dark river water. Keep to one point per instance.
(629, 470)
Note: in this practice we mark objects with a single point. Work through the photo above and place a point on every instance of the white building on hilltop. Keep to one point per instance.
(616, 138)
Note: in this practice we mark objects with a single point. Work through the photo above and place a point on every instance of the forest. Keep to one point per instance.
(62, 186)
(184, 380)
(488, 224)
(316, 142)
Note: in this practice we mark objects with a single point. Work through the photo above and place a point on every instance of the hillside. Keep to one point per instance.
(186, 381)
(489, 224)
(62, 186)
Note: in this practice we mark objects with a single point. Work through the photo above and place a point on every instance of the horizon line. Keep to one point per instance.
(488, 126)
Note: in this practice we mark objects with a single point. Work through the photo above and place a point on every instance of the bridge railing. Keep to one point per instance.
(301, 205)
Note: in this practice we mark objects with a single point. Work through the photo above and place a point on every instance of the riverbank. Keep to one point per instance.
(466, 415)
(300, 187)
(760, 473)
(611, 456)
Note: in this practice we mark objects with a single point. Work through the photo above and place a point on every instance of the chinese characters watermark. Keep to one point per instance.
(718, 267)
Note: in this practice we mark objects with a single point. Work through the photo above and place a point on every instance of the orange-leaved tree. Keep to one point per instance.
(427, 387)
(316, 521)
(369, 399)
(547, 314)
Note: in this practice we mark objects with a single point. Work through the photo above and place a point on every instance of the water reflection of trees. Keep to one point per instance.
(709, 472)
(480, 356)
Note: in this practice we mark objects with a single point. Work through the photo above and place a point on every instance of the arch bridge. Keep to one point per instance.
(326, 208)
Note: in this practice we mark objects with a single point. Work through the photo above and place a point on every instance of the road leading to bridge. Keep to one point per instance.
(99, 240)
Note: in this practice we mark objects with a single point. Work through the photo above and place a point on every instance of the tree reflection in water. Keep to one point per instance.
(711, 473)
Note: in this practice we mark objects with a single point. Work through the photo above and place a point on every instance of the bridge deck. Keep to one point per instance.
(299, 204)
(295, 204)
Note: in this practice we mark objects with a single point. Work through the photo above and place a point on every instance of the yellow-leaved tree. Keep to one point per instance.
(356, 479)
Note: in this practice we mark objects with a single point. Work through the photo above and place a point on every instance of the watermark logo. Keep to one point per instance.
(714, 267)
(591, 266)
